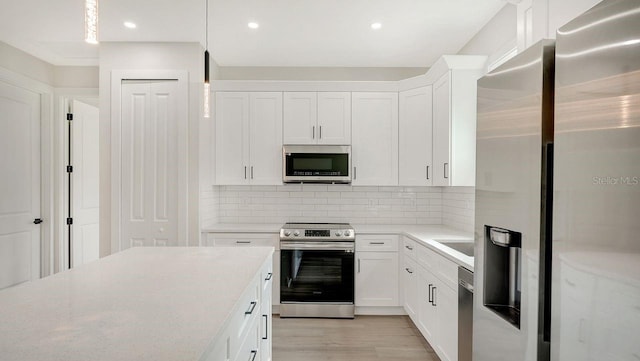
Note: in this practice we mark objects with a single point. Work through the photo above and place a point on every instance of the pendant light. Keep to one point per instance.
(207, 86)
(91, 21)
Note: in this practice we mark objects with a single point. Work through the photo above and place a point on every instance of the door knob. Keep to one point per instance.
(37, 221)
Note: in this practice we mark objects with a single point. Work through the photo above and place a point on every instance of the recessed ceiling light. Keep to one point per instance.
(376, 26)
(130, 25)
(253, 25)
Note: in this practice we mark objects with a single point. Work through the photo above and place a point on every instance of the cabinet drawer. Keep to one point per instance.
(245, 239)
(410, 247)
(386, 243)
(267, 276)
(245, 315)
(447, 271)
(248, 350)
(427, 258)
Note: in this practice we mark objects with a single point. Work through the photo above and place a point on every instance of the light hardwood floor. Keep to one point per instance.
(390, 338)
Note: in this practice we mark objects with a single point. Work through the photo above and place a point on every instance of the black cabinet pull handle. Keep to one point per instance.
(266, 327)
(251, 308)
(269, 275)
(446, 170)
(408, 270)
(430, 297)
(253, 355)
(37, 221)
(427, 172)
(433, 290)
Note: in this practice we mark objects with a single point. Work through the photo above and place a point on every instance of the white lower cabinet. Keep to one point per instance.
(431, 297)
(410, 287)
(243, 336)
(427, 316)
(446, 304)
(377, 271)
(215, 239)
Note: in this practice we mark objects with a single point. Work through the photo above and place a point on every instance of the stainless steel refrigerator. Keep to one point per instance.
(557, 267)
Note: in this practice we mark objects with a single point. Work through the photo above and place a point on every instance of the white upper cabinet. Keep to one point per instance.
(334, 118)
(232, 137)
(375, 138)
(454, 128)
(265, 134)
(300, 117)
(248, 138)
(415, 132)
(317, 118)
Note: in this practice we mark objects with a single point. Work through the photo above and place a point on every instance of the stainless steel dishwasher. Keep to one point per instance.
(465, 314)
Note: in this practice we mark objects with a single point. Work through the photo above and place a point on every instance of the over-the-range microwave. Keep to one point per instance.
(316, 163)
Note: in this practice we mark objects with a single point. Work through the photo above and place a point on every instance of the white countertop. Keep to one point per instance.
(425, 234)
(139, 304)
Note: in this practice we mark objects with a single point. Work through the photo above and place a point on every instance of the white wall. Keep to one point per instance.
(562, 11)
(76, 77)
(496, 38)
(22, 63)
(150, 56)
(317, 73)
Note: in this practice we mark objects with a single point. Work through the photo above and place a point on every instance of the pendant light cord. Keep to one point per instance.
(206, 24)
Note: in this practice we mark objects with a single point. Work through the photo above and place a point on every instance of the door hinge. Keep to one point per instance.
(69, 221)
(69, 116)
(69, 169)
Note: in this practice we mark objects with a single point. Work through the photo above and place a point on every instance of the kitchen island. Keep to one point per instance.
(143, 304)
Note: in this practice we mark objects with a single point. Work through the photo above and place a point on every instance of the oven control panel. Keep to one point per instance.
(324, 232)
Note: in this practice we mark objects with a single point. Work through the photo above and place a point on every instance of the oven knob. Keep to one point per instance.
(347, 233)
(287, 233)
(296, 233)
(338, 233)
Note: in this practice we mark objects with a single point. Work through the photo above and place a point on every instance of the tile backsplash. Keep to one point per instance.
(338, 203)
(458, 207)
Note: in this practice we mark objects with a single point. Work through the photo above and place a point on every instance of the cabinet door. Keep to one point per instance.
(375, 138)
(377, 279)
(232, 132)
(442, 131)
(446, 301)
(334, 118)
(300, 117)
(265, 138)
(427, 315)
(266, 329)
(410, 287)
(415, 132)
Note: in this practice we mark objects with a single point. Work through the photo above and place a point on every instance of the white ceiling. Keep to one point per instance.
(414, 33)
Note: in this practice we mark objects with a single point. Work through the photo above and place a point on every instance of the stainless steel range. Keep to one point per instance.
(317, 270)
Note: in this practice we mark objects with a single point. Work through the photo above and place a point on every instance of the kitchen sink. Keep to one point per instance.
(465, 248)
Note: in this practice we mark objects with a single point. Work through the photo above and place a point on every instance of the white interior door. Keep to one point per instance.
(85, 184)
(19, 185)
(150, 170)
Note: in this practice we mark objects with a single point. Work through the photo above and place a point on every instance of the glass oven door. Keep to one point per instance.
(317, 275)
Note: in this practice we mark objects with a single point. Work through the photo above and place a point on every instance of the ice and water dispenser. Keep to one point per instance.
(503, 272)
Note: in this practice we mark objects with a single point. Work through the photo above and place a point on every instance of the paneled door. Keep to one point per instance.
(150, 178)
(19, 185)
(85, 183)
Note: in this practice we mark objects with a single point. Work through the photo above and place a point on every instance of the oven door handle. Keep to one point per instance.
(319, 246)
